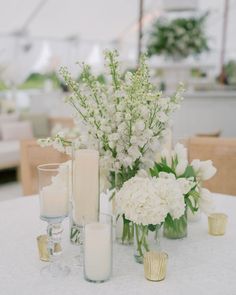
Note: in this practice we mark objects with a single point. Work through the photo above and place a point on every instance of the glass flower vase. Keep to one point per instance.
(124, 230)
(124, 227)
(176, 228)
(146, 238)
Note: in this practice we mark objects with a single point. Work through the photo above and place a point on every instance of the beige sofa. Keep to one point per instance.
(15, 128)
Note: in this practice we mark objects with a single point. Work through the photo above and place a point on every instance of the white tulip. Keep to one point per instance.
(206, 202)
(181, 167)
(181, 151)
(166, 155)
(204, 169)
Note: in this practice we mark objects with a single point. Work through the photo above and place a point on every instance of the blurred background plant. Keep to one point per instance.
(178, 38)
(230, 71)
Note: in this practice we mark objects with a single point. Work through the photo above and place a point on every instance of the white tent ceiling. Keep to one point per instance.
(69, 30)
(101, 20)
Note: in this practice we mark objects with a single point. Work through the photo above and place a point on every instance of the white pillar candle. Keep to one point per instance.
(85, 185)
(97, 251)
(54, 201)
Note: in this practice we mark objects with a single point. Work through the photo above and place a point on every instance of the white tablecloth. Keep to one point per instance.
(198, 265)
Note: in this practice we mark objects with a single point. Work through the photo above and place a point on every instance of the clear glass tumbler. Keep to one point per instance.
(98, 249)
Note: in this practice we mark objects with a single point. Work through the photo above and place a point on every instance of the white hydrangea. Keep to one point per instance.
(185, 184)
(148, 200)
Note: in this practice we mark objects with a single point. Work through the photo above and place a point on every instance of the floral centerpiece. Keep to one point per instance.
(126, 117)
(174, 165)
(178, 38)
(147, 202)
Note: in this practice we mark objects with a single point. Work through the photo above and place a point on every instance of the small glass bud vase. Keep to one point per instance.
(146, 238)
(176, 228)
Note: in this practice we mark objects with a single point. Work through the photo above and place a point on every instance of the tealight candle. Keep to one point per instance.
(98, 250)
(85, 185)
(217, 224)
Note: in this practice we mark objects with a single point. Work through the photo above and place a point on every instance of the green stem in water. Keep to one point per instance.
(139, 242)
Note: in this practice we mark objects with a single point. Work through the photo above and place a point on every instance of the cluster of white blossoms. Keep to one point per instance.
(126, 117)
(200, 171)
(146, 200)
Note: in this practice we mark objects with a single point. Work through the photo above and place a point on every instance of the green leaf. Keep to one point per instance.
(190, 205)
(189, 172)
(152, 227)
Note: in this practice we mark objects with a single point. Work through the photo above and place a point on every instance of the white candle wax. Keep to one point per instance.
(54, 201)
(97, 251)
(85, 185)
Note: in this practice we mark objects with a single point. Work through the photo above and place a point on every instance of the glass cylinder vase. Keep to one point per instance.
(124, 228)
(176, 228)
(98, 249)
(146, 238)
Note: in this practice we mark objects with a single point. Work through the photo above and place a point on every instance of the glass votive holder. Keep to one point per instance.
(98, 249)
(217, 224)
(42, 241)
(155, 265)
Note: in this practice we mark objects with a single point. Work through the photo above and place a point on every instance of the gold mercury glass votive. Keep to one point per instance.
(155, 264)
(217, 224)
(43, 247)
(42, 241)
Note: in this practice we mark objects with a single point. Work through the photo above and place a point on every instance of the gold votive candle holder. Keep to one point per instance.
(217, 224)
(155, 265)
(42, 241)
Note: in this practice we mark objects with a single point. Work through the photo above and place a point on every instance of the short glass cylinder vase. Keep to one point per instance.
(146, 238)
(176, 228)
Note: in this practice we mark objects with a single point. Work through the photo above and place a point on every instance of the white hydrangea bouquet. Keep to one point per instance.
(174, 165)
(163, 196)
(126, 117)
(147, 202)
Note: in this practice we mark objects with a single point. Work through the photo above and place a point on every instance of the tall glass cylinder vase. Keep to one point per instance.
(124, 227)
(85, 194)
(176, 228)
(146, 238)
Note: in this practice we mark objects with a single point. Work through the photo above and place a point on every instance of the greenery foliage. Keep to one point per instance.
(178, 38)
(37, 80)
(230, 71)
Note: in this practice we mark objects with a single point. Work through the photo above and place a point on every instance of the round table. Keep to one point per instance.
(198, 265)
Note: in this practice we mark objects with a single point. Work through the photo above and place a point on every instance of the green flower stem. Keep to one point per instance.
(139, 242)
(128, 232)
(176, 228)
(141, 234)
(144, 238)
